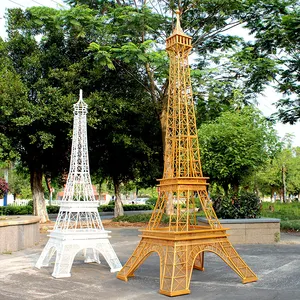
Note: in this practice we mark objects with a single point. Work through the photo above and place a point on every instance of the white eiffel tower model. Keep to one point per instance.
(78, 225)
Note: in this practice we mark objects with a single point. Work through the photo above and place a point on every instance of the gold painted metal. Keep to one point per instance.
(182, 243)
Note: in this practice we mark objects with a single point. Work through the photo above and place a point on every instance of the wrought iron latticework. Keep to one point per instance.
(78, 208)
(79, 187)
(182, 243)
(78, 225)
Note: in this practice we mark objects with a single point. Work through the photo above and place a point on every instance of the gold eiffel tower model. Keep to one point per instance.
(182, 243)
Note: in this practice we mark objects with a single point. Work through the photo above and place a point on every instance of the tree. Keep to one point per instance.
(293, 173)
(19, 183)
(270, 179)
(56, 52)
(35, 116)
(4, 188)
(125, 145)
(137, 34)
(275, 26)
(50, 70)
(236, 144)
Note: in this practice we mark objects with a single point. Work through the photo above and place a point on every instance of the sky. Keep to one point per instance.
(265, 101)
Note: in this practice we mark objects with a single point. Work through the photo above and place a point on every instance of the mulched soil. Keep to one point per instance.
(106, 223)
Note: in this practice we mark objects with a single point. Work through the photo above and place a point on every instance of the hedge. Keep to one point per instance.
(16, 210)
(28, 210)
(126, 207)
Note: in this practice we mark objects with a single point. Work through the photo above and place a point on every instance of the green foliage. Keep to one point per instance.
(151, 201)
(275, 26)
(28, 209)
(106, 208)
(236, 144)
(293, 225)
(269, 179)
(113, 50)
(124, 146)
(288, 213)
(126, 207)
(244, 206)
(42, 75)
(283, 211)
(144, 218)
(16, 210)
(52, 209)
(19, 184)
(140, 218)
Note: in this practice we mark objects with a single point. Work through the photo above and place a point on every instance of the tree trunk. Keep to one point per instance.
(163, 120)
(118, 210)
(39, 205)
(225, 188)
(283, 184)
(170, 204)
(50, 189)
(235, 187)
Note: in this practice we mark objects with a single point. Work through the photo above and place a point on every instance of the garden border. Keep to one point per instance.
(250, 231)
(18, 232)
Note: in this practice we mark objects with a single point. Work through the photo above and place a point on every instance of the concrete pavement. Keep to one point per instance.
(277, 266)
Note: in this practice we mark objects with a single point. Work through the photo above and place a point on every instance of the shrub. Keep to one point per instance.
(140, 218)
(16, 210)
(293, 225)
(283, 211)
(244, 206)
(126, 207)
(144, 218)
(151, 201)
(52, 209)
(137, 207)
(106, 208)
(3, 186)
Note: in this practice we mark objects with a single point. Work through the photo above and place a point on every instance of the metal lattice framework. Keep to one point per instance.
(78, 225)
(182, 243)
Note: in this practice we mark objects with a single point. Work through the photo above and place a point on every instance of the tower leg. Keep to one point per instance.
(199, 262)
(226, 251)
(140, 253)
(91, 255)
(176, 271)
(46, 255)
(64, 260)
(106, 249)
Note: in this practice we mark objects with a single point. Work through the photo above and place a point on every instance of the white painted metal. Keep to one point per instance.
(78, 225)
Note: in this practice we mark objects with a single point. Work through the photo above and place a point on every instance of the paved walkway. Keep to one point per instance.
(277, 266)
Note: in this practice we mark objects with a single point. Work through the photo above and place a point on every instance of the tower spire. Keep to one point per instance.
(78, 225)
(178, 28)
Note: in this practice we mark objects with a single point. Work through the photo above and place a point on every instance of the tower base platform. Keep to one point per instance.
(182, 251)
(68, 244)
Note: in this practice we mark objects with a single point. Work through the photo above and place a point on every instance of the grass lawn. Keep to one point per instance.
(289, 213)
